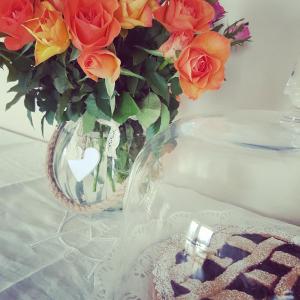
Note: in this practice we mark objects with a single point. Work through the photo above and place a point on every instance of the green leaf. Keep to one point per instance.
(25, 49)
(93, 109)
(126, 108)
(158, 84)
(12, 73)
(88, 122)
(121, 162)
(103, 100)
(176, 75)
(132, 82)
(74, 54)
(91, 106)
(59, 75)
(29, 102)
(85, 89)
(128, 137)
(138, 56)
(152, 130)
(149, 110)
(29, 116)
(161, 124)
(61, 58)
(218, 28)
(152, 52)
(62, 105)
(175, 86)
(61, 84)
(164, 64)
(164, 118)
(73, 112)
(23, 85)
(42, 124)
(23, 64)
(110, 87)
(126, 72)
(47, 100)
(76, 74)
(173, 107)
(15, 100)
(4, 57)
(151, 64)
(50, 116)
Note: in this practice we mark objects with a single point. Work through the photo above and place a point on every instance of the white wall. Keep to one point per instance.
(255, 75)
(16, 117)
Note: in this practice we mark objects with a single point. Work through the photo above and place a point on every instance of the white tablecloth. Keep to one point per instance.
(39, 258)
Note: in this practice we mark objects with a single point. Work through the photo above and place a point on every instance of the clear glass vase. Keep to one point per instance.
(88, 171)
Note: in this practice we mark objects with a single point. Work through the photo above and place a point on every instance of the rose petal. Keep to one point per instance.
(190, 89)
(214, 44)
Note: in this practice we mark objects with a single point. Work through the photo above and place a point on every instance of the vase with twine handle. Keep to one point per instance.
(88, 171)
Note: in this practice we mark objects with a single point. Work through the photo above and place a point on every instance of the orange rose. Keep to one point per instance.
(135, 13)
(13, 13)
(58, 4)
(201, 64)
(176, 42)
(92, 22)
(179, 15)
(99, 63)
(50, 32)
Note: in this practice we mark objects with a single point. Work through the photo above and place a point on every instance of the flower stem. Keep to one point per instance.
(101, 156)
(110, 175)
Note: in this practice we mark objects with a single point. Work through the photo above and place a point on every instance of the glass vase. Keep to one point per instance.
(88, 171)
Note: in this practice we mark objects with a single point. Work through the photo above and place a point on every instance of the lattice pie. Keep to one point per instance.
(237, 266)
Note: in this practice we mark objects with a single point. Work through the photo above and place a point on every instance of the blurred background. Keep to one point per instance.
(255, 76)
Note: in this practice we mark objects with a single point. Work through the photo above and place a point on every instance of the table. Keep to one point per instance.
(46, 252)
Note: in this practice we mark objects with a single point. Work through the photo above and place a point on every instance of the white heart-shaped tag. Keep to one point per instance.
(83, 167)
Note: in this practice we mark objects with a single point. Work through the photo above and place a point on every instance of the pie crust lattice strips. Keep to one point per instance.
(239, 265)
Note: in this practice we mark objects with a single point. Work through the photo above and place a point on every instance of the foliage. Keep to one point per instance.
(145, 67)
(144, 94)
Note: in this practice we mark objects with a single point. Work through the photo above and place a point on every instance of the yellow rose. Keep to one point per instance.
(50, 32)
(132, 13)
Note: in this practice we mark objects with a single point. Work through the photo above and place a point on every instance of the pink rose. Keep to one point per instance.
(219, 11)
(239, 32)
(244, 34)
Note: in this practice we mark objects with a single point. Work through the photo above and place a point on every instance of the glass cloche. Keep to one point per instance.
(213, 212)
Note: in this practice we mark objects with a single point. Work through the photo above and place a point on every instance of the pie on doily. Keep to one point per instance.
(238, 266)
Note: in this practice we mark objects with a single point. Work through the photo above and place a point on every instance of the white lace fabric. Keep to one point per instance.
(45, 252)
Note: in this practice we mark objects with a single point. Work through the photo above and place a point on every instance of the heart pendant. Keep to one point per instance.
(83, 167)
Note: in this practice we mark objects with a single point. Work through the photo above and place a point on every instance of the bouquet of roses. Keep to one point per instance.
(120, 59)
(123, 62)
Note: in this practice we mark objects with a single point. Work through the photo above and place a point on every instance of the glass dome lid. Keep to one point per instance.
(250, 159)
(212, 210)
